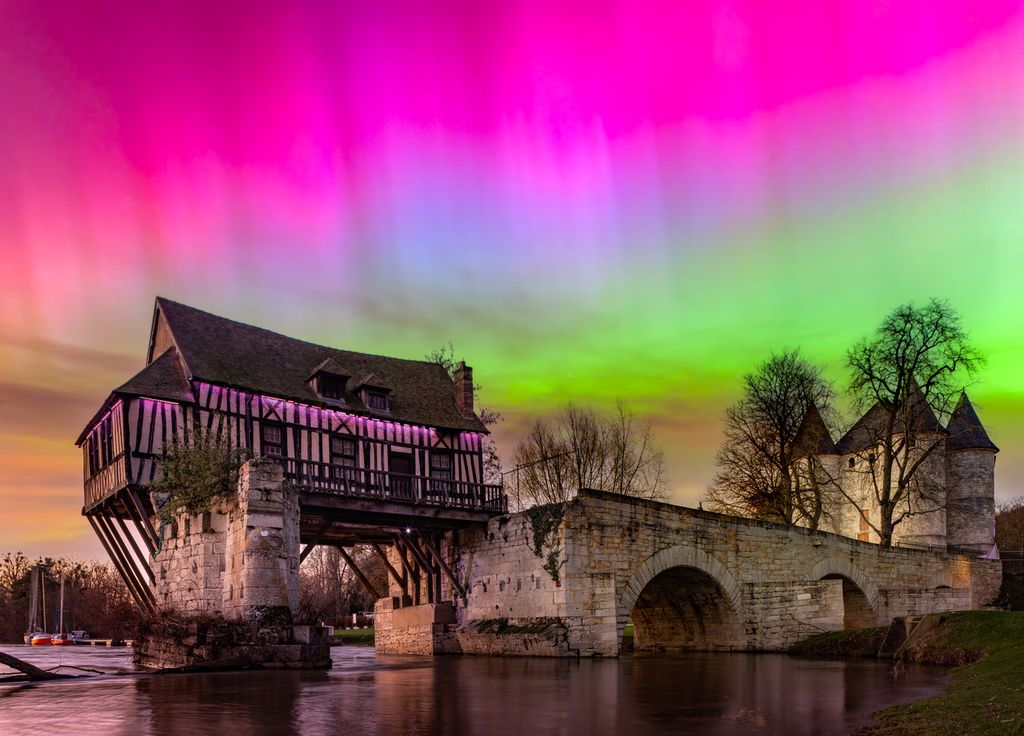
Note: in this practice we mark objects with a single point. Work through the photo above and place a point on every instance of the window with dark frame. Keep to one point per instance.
(441, 465)
(331, 387)
(108, 441)
(343, 456)
(272, 438)
(377, 400)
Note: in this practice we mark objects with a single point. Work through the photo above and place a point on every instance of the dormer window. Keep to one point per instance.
(328, 381)
(331, 387)
(376, 400)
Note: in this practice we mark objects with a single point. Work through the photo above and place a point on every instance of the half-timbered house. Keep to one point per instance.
(374, 443)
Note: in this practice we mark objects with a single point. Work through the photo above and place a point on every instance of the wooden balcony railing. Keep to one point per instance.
(106, 481)
(417, 489)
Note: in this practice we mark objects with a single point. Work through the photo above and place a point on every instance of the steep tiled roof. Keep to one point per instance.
(965, 430)
(161, 379)
(813, 437)
(229, 353)
(870, 428)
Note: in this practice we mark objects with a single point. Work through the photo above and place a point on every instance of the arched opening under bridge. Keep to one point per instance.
(685, 608)
(857, 611)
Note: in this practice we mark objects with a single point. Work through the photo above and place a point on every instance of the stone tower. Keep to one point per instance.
(970, 481)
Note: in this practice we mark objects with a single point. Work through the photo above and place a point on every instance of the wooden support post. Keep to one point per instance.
(151, 535)
(399, 579)
(139, 599)
(142, 558)
(359, 573)
(123, 556)
(436, 554)
(425, 565)
(133, 515)
(315, 541)
(409, 569)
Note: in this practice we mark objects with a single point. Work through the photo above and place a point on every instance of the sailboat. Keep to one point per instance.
(61, 639)
(33, 608)
(41, 638)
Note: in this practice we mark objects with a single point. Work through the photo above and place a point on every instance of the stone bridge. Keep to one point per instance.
(564, 582)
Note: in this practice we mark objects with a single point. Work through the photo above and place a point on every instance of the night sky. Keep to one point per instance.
(613, 200)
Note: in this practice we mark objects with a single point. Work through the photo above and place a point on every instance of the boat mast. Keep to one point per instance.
(60, 611)
(33, 605)
(42, 591)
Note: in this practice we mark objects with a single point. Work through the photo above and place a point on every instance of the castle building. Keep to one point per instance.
(951, 502)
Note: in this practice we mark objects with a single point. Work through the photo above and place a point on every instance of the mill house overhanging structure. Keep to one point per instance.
(375, 445)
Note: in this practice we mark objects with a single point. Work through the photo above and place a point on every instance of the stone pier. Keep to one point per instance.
(227, 583)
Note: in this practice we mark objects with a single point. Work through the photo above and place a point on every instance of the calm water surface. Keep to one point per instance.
(367, 693)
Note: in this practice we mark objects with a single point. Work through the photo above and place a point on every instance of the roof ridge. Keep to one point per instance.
(165, 300)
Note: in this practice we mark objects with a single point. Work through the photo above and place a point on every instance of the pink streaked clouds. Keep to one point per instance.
(544, 183)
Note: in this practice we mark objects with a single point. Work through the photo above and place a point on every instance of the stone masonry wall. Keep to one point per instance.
(771, 578)
(262, 546)
(240, 556)
(190, 565)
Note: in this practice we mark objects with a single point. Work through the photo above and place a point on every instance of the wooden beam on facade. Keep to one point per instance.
(151, 534)
(359, 573)
(315, 540)
(140, 600)
(138, 552)
(436, 554)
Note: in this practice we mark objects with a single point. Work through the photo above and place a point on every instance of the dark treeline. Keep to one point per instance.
(95, 598)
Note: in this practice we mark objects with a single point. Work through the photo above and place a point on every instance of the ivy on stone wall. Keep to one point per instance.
(197, 471)
(545, 520)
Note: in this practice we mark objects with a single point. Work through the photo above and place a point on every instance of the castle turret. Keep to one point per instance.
(970, 477)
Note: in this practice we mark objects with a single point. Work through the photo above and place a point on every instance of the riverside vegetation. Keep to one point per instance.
(985, 694)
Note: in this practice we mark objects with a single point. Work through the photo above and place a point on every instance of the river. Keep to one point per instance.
(366, 693)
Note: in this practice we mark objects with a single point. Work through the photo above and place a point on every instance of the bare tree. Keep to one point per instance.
(768, 464)
(445, 357)
(1010, 525)
(908, 374)
(580, 448)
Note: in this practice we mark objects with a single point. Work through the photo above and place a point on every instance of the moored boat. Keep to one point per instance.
(40, 640)
(62, 640)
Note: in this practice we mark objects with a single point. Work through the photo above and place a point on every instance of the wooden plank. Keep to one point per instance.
(399, 579)
(140, 601)
(436, 554)
(124, 557)
(359, 573)
(150, 534)
(425, 565)
(143, 562)
(315, 540)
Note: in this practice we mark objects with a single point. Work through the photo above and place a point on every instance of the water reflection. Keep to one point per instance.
(369, 694)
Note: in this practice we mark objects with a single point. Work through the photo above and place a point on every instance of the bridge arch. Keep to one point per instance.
(860, 595)
(682, 598)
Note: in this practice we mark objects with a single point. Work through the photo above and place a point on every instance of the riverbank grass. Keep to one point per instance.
(355, 636)
(985, 694)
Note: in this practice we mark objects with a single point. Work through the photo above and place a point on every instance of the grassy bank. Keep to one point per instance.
(985, 694)
(355, 636)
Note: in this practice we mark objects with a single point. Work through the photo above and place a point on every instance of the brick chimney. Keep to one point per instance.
(464, 389)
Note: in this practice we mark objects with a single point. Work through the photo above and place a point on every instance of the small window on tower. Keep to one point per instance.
(852, 462)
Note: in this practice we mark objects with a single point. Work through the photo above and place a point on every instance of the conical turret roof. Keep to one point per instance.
(965, 430)
(813, 437)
